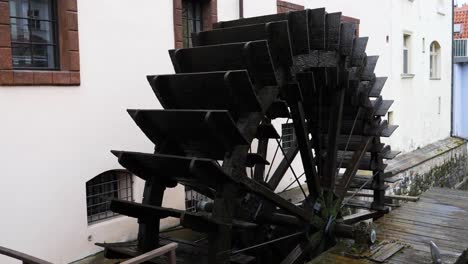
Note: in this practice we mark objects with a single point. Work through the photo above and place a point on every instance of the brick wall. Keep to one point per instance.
(284, 6)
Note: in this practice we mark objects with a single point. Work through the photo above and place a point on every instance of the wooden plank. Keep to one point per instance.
(386, 251)
(359, 51)
(27, 259)
(347, 38)
(317, 18)
(253, 56)
(333, 27)
(358, 217)
(168, 250)
(377, 86)
(368, 71)
(351, 170)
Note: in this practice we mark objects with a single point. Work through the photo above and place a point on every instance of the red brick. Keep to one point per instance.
(61, 78)
(74, 60)
(5, 39)
(5, 59)
(42, 78)
(178, 33)
(178, 17)
(75, 78)
(4, 13)
(23, 77)
(179, 45)
(178, 4)
(73, 42)
(72, 21)
(6, 77)
(72, 5)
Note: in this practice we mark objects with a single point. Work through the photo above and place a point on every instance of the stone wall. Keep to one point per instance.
(441, 164)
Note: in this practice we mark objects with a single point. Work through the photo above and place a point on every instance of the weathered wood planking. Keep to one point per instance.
(441, 215)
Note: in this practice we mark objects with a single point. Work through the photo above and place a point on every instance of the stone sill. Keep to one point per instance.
(407, 76)
(39, 78)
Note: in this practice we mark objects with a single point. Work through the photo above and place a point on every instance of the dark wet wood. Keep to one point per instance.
(439, 216)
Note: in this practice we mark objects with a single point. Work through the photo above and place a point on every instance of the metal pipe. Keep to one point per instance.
(241, 8)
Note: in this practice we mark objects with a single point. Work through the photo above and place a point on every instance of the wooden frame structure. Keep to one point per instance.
(308, 66)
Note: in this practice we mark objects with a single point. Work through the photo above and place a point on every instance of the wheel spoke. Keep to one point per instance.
(274, 156)
(283, 167)
(292, 170)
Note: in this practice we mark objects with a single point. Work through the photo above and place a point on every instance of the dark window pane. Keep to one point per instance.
(19, 30)
(43, 56)
(19, 8)
(33, 34)
(191, 20)
(42, 32)
(22, 55)
(41, 9)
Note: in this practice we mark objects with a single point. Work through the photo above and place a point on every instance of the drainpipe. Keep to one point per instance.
(241, 8)
(453, 75)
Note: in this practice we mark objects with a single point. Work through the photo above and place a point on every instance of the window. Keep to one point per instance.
(110, 184)
(457, 28)
(191, 20)
(435, 61)
(192, 16)
(195, 201)
(288, 137)
(39, 43)
(406, 53)
(390, 118)
(33, 28)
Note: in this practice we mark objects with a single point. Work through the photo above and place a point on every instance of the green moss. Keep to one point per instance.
(445, 175)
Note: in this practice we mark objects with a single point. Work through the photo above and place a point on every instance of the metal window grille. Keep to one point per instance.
(33, 25)
(110, 184)
(460, 46)
(287, 136)
(191, 20)
(193, 199)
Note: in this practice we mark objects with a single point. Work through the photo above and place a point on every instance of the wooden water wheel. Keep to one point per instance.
(214, 134)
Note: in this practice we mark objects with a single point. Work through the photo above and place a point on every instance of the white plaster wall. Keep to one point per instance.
(228, 10)
(259, 7)
(54, 139)
(416, 99)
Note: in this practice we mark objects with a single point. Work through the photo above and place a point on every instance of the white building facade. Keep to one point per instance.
(56, 137)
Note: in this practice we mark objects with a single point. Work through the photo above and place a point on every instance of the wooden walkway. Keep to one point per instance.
(441, 216)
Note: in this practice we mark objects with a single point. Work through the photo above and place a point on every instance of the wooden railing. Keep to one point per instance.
(27, 259)
(168, 250)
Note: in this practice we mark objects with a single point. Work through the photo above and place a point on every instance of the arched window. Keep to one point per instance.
(107, 185)
(435, 61)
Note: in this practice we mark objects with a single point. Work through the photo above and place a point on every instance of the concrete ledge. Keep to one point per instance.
(414, 158)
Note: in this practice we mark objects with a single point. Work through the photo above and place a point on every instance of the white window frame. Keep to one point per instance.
(435, 61)
(406, 56)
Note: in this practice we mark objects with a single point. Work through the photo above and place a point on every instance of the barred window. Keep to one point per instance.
(33, 34)
(287, 136)
(191, 20)
(107, 185)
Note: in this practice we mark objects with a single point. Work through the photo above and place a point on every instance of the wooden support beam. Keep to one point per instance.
(27, 259)
(283, 167)
(168, 250)
(388, 196)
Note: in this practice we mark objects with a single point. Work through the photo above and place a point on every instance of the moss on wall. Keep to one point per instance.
(447, 172)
